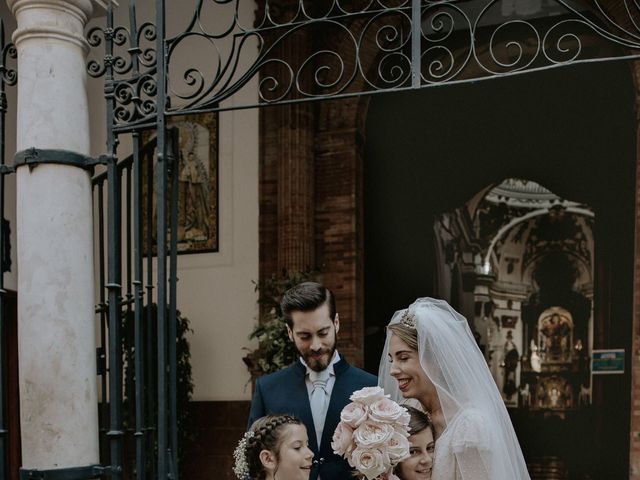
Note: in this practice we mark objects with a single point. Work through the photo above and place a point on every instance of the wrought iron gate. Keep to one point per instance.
(8, 77)
(348, 48)
(147, 423)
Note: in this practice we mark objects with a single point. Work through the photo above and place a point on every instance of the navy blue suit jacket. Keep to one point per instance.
(286, 392)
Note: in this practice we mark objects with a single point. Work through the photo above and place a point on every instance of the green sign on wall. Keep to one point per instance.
(607, 361)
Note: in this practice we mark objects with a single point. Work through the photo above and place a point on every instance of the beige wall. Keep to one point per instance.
(215, 290)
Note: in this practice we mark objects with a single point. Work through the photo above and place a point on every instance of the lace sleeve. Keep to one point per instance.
(469, 432)
(470, 446)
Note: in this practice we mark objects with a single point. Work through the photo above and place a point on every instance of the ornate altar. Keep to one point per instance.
(555, 371)
(555, 335)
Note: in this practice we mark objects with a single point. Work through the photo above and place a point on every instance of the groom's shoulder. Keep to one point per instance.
(277, 377)
(363, 377)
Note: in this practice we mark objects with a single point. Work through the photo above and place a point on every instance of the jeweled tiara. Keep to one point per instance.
(408, 319)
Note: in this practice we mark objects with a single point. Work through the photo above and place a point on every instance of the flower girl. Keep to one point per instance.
(274, 448)
(420, 462)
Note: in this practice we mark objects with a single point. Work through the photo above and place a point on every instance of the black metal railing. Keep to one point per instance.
(8, 77)
(138, 414)
(141, 211)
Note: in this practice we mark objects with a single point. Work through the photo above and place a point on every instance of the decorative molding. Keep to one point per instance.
(81, 9)
(48, 26)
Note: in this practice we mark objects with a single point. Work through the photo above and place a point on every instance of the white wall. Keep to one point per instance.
(215, 290)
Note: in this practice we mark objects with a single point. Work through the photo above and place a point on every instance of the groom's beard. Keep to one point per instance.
(318, 360)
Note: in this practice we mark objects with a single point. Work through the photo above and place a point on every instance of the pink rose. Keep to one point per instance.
(354, 414)
(370, 462)
(404, 420)
(367, 395)
(371, 434)
(386, 411)
(389, 476)
(342, 442)
(401, 429)
(397, 448)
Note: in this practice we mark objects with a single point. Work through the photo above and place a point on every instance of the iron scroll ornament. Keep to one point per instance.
(8, 74)
(308, 50)
(133, 82)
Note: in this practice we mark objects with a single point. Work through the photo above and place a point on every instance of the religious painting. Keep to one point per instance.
(555, 327)
(555, 393)
(197, 171)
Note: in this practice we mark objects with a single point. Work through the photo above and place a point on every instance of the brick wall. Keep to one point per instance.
(315, 224)
(217, 427)
(338, 208)
(310, 198)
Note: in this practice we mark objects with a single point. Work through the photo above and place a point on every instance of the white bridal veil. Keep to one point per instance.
(452, 360)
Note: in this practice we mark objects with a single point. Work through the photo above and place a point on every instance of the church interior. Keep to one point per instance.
(513, 200)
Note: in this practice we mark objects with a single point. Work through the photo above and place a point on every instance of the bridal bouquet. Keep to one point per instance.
(372, 433)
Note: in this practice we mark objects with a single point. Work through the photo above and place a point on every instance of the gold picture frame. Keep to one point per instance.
(197, 171)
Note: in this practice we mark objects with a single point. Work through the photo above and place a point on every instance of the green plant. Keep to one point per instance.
(184, 390)
(275, 351)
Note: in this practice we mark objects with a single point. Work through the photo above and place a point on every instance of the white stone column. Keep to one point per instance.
(58, 392)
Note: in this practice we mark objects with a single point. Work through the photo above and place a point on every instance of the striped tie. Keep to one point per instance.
(319, 400)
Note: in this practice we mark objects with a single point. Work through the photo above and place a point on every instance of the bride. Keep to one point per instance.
(431, 356)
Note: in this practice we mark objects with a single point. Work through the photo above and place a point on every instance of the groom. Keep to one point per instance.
(318, 385)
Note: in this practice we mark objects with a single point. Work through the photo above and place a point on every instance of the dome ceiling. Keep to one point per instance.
(525, 194)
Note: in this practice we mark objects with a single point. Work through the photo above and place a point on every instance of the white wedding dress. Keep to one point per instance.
(478, 442)
(465, 433)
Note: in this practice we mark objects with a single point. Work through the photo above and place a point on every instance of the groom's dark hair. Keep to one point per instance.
(307, 297)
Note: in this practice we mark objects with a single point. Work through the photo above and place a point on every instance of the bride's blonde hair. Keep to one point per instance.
(407, 334)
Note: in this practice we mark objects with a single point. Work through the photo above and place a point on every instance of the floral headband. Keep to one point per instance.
(241, 468)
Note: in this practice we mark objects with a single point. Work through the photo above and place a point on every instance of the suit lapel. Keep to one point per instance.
(300, 396)
(339, 397)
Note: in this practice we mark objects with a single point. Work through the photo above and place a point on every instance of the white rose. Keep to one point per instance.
(397, 448)
(388, 476)
(401, 429)
(342, 442)
(371, 434)
(370, 462)
(354, 414)
(367, 395)
(386, 410)
(404, 420)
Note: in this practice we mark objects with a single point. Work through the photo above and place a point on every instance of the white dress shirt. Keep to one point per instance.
(329, 388)
(332, 375)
